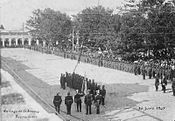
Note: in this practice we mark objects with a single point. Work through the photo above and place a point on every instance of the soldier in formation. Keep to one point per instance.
(78, 82)
(98, 100)
(57, 102)
(173, 87)
(77, 100)
(63, 81)
(71, 80)
(164, 83)
(103, 94)
(68, 103)
(88, 102)
(157, 82)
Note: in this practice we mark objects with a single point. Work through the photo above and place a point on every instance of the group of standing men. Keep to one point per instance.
(89, 99)
(95, 94)
(161, 72)
(78, 82)
(71, 80)
(164, 81)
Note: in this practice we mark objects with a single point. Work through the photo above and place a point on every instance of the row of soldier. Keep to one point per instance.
(152, 71)
(163, 81)
(73, 81)
(76, 81)
(89, 99)
(162, 74)
(114, 64)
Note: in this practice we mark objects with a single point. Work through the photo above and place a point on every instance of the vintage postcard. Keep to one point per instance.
(87, 60)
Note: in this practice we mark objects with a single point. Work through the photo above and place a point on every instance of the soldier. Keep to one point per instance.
(135, 69)
(98, 99)
(143, 72)
(150, 72)
(138, 69)
(164, 83)
(88, 102)
(157, 82)
(68, 102)
(173, 87)
(153, 72)
(57, 102)
(61, 80)
(77, 100)
(103, 94)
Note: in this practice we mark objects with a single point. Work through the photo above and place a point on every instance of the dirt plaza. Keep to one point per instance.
(128, 96)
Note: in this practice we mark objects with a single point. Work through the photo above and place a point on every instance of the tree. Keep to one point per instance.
(50, 25)
(147, 25)
(95, 27)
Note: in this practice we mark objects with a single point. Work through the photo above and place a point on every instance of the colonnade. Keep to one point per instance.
(12, 42)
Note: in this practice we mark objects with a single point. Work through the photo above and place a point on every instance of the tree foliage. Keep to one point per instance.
(96, 27)
(50, 25)
(146, 26)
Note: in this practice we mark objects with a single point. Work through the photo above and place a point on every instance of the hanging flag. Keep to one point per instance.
(85, 87)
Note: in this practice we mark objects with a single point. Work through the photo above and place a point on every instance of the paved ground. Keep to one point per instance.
(17, 105)
(129, 97)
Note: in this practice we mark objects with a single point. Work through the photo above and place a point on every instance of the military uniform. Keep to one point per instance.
(88, 103)
(103, 94)
(68, 102)
(150, 72)
(98, 99)
(135, 69)
(156, 82)
(57, 102)
(163, 83)
(173, 87)
(143, 72)
(77, 100)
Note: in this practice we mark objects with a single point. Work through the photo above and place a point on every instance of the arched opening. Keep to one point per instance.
(19, 41)
(6, 42)
(13, 42)
(33, 42)
(0, 42)
(26, 41)
(40, 42)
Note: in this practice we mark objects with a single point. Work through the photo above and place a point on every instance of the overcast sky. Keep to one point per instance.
(13, 13)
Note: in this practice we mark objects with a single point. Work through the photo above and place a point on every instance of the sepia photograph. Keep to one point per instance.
(87, 60)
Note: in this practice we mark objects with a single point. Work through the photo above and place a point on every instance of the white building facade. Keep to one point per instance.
(17, 38)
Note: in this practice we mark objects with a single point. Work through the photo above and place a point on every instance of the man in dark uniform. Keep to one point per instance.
(98, 99)
(164, 83)
(173, 86)
(57, 102)
(77, 100)
(68, 102)
(88, 102)
(150, 72)
(143, 72)
(103, 94)
(157, 82)
(138, 69)
(135, 69)
(61, 80)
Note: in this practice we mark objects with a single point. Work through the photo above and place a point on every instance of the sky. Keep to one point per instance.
(13, 13)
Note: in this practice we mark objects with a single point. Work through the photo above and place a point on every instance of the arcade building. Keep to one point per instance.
(12, 38)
